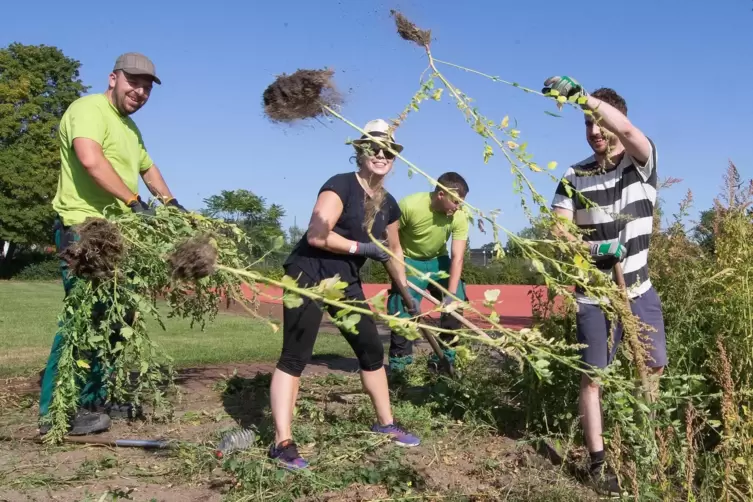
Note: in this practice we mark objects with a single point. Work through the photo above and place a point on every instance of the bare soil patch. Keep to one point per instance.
(456, 461)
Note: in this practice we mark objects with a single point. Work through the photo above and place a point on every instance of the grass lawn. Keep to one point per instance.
(28, 320)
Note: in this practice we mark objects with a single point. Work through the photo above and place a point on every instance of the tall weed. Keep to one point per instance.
(696, 442)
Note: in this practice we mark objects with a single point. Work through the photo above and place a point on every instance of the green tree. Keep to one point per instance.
(294, 234)
(250, 212)
(37, 84)
(512, 249)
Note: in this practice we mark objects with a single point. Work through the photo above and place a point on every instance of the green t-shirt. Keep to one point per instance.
(94, 117)
(423, 232)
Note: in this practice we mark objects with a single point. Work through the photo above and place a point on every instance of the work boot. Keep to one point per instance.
(84, 423)
(603, 478)
(122, 411)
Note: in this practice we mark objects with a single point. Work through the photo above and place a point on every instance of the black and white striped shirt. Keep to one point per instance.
(622, 203)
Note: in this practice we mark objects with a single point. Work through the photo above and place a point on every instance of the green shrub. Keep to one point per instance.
(46, 270)
(31, 266)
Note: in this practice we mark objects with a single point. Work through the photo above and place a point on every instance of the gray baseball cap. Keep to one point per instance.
(136, 64)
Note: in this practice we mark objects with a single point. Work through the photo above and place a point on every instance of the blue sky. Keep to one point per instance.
(683, 67)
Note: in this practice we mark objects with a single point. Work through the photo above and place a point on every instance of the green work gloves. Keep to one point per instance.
(607, 254)
(565, 86)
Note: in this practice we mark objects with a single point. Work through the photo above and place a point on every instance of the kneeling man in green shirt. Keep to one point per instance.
(428, 221)
(102, 155)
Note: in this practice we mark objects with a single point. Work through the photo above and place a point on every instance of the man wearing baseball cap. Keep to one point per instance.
(102, 155)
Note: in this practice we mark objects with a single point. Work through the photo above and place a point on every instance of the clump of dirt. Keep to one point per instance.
(409, 31)
(98, 251)
(302, 95)
(194, 258)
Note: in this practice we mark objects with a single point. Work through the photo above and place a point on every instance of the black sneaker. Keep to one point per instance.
(125, 411)
(286, 453)
(84, 423)
(603, 478)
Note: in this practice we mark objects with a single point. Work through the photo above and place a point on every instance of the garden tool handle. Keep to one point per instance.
(468, 324)
(620, 277)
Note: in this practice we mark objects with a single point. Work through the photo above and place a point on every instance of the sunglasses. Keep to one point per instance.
(372, 148)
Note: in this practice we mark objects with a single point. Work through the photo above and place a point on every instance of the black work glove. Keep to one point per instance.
(138, 206)
(174, 202)
(371, 250)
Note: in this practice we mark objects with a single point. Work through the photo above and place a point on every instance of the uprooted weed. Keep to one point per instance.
(409, 31)
(304, 94)
(98, 251)
(194, 258)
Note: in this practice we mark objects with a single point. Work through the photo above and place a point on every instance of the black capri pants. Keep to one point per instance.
(301, 326)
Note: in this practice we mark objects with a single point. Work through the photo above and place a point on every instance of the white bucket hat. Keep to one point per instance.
(379, 129)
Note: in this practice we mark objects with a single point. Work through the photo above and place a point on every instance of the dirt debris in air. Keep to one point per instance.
(411, 32)
(98, 251)
(302, 95)
(194, 258)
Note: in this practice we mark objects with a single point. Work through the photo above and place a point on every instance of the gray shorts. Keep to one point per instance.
(593, 329)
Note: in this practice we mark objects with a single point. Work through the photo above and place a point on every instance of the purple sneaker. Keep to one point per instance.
(399, 436)
(286, 453)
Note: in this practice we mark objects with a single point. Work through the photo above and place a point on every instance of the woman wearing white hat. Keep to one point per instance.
(337, 243)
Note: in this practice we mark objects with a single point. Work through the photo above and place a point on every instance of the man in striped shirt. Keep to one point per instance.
(619, 180)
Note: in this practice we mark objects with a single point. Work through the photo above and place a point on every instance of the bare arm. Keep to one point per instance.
(327, 211)
(635, 142)
(560, 230)
(393, 242)
(90, 154)
(156, 184)
(456, 264)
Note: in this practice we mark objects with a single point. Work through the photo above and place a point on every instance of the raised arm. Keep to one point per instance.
(635, 142)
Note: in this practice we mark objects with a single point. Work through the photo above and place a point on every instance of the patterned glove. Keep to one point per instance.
(608, 253)
(566, 86)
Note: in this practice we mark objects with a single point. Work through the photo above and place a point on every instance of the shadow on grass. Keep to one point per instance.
(335, 362)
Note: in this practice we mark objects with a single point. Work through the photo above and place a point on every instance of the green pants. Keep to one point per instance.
(399, 345)
(93, 389)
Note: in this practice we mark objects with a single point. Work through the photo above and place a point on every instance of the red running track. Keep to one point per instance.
(513, 303)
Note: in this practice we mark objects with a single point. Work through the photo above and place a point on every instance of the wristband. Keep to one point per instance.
(133, 199)
(167, 201)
